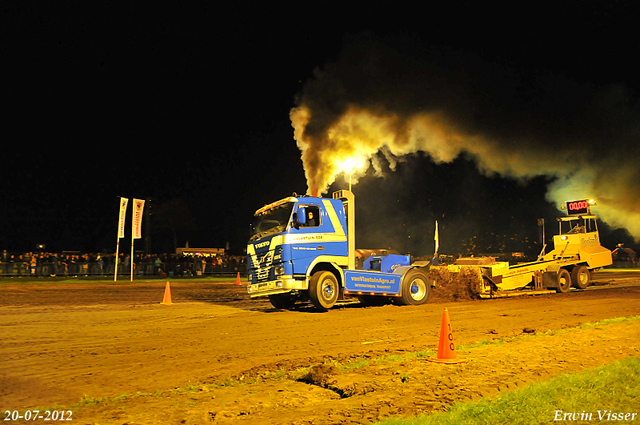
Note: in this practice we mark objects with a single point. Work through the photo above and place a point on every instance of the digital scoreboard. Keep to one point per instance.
(578, 207)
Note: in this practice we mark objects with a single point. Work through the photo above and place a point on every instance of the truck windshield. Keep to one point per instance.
(271, 221)
(578, 225)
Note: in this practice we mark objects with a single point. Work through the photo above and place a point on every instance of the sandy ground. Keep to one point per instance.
(110, 353)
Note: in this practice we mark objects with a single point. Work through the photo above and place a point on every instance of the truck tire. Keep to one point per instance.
(323, 290)
(416, 289)
(580, 277)
(564, 281)
(282, 301)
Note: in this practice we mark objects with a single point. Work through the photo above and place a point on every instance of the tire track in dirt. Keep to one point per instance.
(405, 387)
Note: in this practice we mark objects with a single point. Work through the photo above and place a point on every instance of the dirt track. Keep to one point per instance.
(152, 363)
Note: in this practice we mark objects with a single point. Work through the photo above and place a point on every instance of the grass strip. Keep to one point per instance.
(550, 332)
(607, 393)
(359, 362)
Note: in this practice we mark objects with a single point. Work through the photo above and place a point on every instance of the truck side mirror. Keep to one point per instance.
(299, 218)
(294, 221)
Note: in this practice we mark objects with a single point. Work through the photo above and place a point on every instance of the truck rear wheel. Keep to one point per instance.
(415, 288)
(580, 277)
(564, 281)
(323, 290)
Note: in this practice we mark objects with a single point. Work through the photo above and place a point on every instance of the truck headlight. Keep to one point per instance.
(279, 270)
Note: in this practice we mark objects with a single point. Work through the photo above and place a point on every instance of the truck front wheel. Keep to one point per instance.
(323, 290)
(415, 288)
(564, 281)
(580, 277)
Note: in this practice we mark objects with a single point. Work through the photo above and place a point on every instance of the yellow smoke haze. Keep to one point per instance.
(348, 146)
(378, 99)
(618, 201)
(358, 135)
(351, 142)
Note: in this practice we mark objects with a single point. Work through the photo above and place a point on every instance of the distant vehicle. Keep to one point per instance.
(624, 256)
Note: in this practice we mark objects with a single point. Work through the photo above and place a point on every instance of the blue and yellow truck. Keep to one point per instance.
(302, 248)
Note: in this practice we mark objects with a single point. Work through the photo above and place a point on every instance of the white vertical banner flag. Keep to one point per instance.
(123, 214)
(437, 238)
(138, 207)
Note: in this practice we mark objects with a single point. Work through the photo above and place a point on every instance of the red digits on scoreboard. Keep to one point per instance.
(581, 205)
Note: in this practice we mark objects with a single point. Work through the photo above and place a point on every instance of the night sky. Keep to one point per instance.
(189, 107)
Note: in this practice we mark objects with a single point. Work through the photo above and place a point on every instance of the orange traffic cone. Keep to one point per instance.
(238, 279)
(167, 295)
(446, 346)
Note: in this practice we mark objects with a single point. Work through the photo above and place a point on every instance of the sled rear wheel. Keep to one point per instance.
(564, 281)
(580, 277)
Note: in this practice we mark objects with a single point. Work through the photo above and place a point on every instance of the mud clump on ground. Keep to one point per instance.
(319, 375)
(462, 285)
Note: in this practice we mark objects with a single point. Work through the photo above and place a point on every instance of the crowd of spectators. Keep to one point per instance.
(44, 264)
